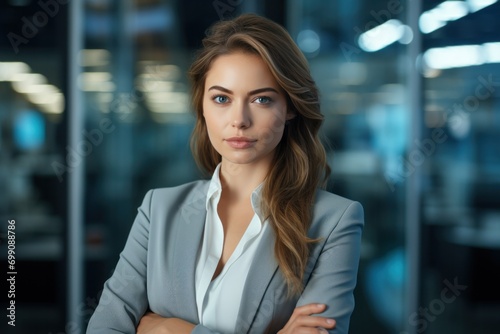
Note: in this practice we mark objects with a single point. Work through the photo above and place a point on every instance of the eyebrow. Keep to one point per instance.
(253, 92)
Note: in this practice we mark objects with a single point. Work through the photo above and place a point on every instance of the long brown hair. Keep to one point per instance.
(299, 165)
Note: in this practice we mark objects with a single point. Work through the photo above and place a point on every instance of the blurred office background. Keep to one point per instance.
(94, 111)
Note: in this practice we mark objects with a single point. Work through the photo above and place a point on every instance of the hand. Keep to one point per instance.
(152, 323)
(301, 321)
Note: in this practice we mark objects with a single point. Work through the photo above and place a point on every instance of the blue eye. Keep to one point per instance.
(263, 100)
(221, 99)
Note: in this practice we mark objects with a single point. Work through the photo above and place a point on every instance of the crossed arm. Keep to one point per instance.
(301, 321)
(338, 258)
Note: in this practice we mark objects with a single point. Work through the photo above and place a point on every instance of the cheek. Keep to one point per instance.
(211, 132)
(209, 125)
(278, 124)
(213, 126)
(273, 132)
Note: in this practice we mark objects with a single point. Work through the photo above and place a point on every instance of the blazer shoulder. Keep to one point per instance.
(196, 187)
(332, 208)
(161, 200)
(325, 199)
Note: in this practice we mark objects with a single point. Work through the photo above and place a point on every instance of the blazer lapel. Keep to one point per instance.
(262, 270)
(189, 236)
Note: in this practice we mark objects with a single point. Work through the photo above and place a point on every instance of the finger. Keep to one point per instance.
(309, 309)
(310, 330)
(304, 310)
(315, 321)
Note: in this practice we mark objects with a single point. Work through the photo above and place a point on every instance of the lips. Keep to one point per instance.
(240, 142)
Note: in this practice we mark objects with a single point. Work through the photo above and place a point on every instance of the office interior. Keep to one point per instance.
(95, 110)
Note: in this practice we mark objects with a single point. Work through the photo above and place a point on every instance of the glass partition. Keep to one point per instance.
(420, 153)
(460, 202)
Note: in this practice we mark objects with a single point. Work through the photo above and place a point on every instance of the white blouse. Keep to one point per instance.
(218, 301)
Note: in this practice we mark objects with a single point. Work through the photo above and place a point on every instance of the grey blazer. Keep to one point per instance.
(157, 266)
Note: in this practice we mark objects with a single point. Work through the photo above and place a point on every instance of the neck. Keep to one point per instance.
(239, 181)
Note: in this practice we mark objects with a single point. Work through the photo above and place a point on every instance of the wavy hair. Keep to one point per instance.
(299, 165)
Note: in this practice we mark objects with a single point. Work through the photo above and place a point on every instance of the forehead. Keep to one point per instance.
(240, 70)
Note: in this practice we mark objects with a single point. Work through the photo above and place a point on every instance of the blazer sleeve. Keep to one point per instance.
(334, 276)
(124, 299)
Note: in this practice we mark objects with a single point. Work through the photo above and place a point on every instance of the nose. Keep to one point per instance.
(241, 116)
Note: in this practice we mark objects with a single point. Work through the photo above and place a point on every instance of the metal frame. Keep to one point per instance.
(414, 181)
(75, 231)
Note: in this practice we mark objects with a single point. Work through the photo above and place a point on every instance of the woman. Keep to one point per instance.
(258, 248)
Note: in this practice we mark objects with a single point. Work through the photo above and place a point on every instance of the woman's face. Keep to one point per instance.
(244, 108)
